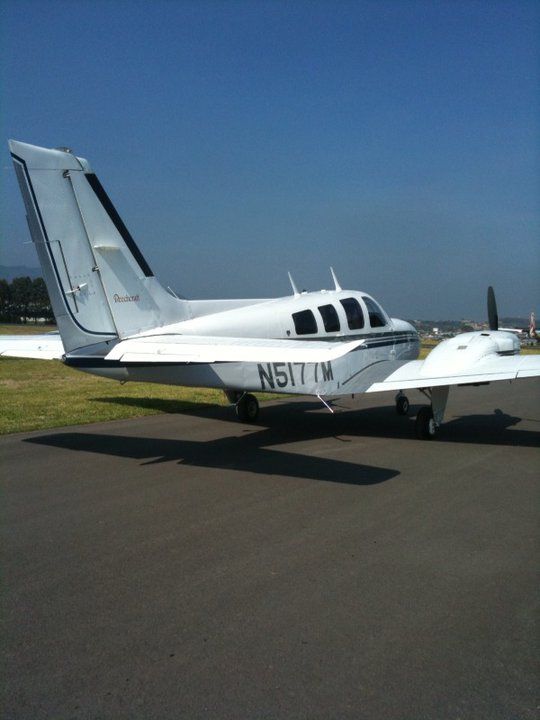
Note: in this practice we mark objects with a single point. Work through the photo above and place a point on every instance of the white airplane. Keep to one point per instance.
(117, 321)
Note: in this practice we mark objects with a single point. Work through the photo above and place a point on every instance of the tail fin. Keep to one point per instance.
(100, 285)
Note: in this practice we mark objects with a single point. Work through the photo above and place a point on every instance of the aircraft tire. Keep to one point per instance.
(402, 405)
(247, 409)
(425, 427)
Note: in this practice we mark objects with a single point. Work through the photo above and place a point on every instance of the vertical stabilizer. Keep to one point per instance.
(100, 285)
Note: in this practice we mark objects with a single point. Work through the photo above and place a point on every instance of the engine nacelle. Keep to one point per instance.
(466, 348)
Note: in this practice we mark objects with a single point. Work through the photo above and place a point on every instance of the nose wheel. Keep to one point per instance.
(247, 408)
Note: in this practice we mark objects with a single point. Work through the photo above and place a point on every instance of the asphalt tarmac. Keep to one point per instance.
(312, 566)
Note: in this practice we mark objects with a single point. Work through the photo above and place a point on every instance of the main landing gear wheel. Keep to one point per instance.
(426, 427)
(402, 405)
(247, 408)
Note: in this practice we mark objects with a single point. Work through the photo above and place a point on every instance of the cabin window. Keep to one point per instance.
(304, 322)
(330, 318)
(376, 315)
(353, 311)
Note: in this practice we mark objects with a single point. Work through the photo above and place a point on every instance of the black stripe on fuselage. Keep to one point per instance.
(389, 334)
(102, 363)
(378, 340)
(385, 343)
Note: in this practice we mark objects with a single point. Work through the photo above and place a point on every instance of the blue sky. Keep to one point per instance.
(397, 141)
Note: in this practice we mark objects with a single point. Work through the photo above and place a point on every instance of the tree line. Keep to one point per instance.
(24, 300)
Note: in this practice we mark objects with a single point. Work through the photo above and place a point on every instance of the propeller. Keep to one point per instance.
(493, 316)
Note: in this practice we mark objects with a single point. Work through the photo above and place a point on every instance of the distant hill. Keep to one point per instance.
(8, 272)
(514, 322)
(455, 326)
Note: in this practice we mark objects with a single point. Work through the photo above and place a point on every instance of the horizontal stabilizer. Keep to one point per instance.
(188, 349)
(40, 347)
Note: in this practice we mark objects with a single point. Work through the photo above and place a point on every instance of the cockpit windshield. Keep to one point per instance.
(377, 317)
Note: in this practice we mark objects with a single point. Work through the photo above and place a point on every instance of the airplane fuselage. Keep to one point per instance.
(332, 316)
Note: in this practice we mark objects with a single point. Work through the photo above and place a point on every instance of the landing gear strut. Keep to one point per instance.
(247, 408)
(430, 417)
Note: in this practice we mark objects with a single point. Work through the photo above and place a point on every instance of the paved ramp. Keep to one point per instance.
(313, 566)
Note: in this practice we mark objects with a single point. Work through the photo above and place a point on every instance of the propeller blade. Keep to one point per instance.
(493, 316)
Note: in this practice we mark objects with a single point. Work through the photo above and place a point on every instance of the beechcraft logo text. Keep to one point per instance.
(125, 298)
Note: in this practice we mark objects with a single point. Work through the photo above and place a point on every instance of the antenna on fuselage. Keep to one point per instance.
(293, 285)
(334, 278)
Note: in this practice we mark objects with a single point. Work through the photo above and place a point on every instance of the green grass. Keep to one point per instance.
(41, 394)
(30, 329)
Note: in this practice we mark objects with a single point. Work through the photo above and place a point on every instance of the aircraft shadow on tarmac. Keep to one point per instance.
(243, 453)
(250, 449)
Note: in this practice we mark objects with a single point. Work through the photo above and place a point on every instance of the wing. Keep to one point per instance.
(468, 358)
(188, 349)
(41, 347)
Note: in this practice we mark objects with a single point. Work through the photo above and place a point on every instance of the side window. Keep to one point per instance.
(304, 322)
(355, 316)
(330, 318)
(376, 315)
